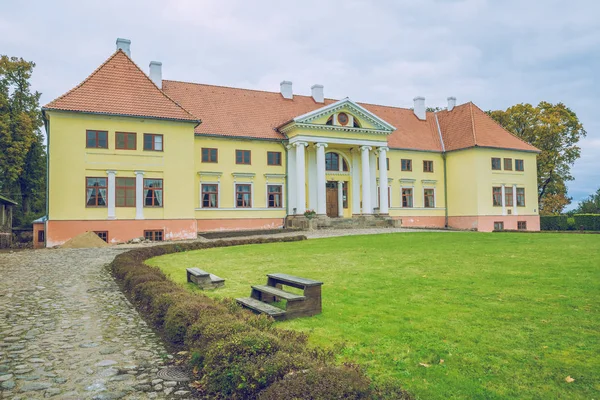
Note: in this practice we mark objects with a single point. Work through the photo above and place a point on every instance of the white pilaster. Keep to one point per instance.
(373, 178)
(515, 209)
(139, 195)
(291, 179)
(383, 181)
(312, 178)
(111, 194)
(366, 180)
(503, 200)
(355, 182)
(340, 198)
(300, 178)
(321, 197)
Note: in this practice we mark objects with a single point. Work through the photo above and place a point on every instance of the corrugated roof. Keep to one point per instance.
(7, 200)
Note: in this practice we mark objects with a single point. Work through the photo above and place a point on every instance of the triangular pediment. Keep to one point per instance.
(357, 119)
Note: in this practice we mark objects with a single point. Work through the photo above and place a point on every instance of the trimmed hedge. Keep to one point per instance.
(253, 232)
(239, 355)
(553, 223)
(586, 222)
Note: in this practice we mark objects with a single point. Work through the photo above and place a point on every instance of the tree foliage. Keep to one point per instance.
(591, 205)
(22, 149)
(555, 130)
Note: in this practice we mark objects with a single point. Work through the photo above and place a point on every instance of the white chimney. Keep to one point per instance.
(420, 107)
(286, 89)
(451, 103)
(124, 45)
(317, 93)
(156, 73)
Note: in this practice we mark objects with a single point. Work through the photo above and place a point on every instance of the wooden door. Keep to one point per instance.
(332, 199)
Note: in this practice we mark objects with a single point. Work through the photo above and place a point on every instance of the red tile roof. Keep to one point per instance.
(120, 87)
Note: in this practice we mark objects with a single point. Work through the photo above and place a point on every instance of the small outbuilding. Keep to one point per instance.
(6, 217)
(39, 232)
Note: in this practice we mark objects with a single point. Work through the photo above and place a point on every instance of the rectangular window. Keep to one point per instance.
(407, 197)
(155, 236)
(96, 139)
(102, 235)
(406, 165)
(95, 192)
(153, 142)
(520, 197)
(243, 196)
(508, 196)
(497, 196)
(345, 194)
(274, 196)
(498, 226)
(496, 164)
(427, 166)
(522, 225)
(210, 195)
(519, 166)
(41, 236)
(125, 192)
(153, 192)
(429, 198)
(125, 141)
(508, 164)
(387, 162)
(210, 155)
(273, 158)
(242, 157)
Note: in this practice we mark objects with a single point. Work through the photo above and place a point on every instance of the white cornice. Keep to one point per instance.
(243, 174)
(330, 140)
(293, 125)
(209, 173)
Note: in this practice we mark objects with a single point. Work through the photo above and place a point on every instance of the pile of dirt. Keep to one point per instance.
(88, 239)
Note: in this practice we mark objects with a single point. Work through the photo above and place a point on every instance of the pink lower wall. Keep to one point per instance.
(485, 223)
(422, 222)
(209, 225)
(120, 231)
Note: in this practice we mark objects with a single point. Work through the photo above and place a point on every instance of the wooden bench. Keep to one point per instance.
(297, 305)
(203, 279)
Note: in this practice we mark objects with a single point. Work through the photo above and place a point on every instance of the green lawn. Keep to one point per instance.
(466, 315)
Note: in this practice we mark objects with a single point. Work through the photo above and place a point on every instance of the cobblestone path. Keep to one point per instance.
(66, 330)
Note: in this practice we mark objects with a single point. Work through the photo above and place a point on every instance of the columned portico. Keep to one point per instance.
(300, 178)
(321, 199)
(383, 181)
(366, 180)
(139, 195)
(340, 188)
(111, 194)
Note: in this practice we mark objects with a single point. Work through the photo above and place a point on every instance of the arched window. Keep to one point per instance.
(329, 121)
(344, 165)
(356, 123)
(332, 162)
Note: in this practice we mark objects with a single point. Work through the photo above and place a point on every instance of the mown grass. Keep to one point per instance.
(466, 315)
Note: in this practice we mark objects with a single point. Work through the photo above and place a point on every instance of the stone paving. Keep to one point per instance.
(66, 330)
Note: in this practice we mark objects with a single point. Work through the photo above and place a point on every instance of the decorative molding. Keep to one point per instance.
(243, 174)
(242, 209)
(210, 173)
(324, 145)
(381, 149)
(330, 140)
(428, 182)
(337, 173)
(275, 176)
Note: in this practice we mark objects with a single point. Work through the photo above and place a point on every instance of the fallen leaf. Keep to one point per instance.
(441, 360)
(569, 379)
(424, 365)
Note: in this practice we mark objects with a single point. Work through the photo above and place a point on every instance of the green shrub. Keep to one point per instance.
(134, 278)
(587, 222)
(163, 302)
(323, 383)
(183, 314)
(553, 223)
(144, 293)
(571, 224)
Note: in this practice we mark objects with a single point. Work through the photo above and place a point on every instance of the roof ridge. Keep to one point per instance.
(472, 123)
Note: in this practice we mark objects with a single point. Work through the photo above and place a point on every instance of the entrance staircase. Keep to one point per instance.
(357, 222)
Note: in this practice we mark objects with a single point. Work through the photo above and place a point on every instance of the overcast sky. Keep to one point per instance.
(494, 53)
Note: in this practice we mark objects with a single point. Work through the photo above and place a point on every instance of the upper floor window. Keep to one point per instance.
(95, 192)
(125, 192)
(519, 165)
(406, 165)
(496, 164)
(427, 166)
(387, 161)
(332, 162)
(273, 158)
(429, 198)
(125, 140)
(153, 192)
(508, 164)
(210, 195)
(153, 142)
(96, 139)
(520, 197)
(210, 155)
(242, 157)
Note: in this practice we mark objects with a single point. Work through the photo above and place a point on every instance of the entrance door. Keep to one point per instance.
(332, 199)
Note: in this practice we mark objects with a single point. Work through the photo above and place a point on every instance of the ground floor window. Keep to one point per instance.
(407, 197)
(102, 235)
(243, 196)
(155, 236)
(125, 192)
(429, 198)
(274, 196)
(522, 225)
(210, 195)
(153, 192)
(498, 226)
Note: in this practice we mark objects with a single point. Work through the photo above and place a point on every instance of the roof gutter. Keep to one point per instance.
(437, 122)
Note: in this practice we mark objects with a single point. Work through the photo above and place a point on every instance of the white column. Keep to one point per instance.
(366, 179)
(355, 182)
(321, 200)
(312, 178)
(139, 195)
(373, 178)
(383, 181)
(111, 194)
(340, 198)
(291, 179)
(503, 200)
(515, 210)
(300, 178)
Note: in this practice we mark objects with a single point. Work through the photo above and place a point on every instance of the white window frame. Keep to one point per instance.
(434, 197)
(267, 184)
(218, 194)
(251, 195)
(413, 196)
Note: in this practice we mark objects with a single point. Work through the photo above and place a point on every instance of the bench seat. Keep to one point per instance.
(273, 291)
(259, 306)
(295, 281)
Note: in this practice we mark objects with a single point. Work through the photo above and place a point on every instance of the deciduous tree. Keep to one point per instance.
(591, 205)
